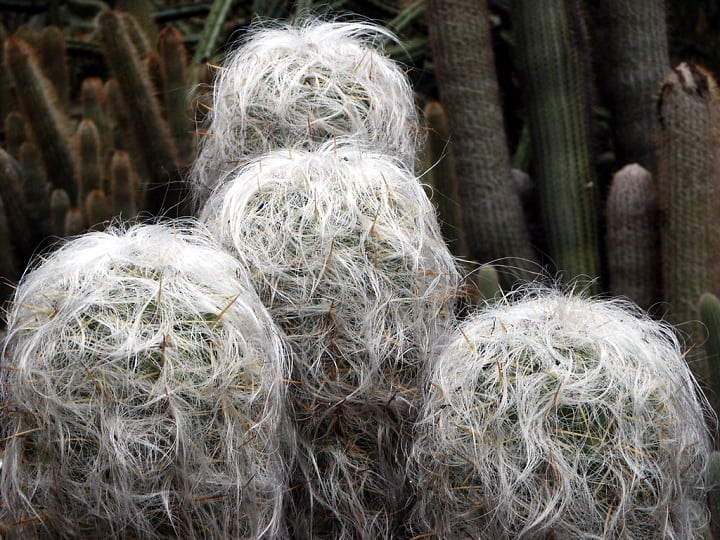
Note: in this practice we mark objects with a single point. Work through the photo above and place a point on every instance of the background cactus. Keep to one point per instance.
(554, 64)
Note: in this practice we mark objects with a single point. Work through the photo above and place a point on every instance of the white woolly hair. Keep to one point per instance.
(303, 84)
(345, 250)
(562, 417)
(142, 393)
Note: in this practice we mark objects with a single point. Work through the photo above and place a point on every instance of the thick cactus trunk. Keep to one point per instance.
(689, 184)
(555, 71)
(465, 71)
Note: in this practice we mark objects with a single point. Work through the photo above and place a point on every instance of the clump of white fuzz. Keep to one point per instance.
(142, 393)
(561, 417)
(345, 250)
(301, 85)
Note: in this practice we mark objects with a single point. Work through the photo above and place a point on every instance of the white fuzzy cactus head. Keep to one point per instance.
(345, 250)
(142, 393)
(303, 84)
(562, 417)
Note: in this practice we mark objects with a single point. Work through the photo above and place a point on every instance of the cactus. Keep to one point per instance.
(633, 242)
(36, 190)
(53, 58)
(92, 100)
(59, 208)
(123, 184)
(345, 251)
(144, 386)
(141, 13)
(9, 268)
(554, 416)
(442, 178)
(91, 163)
(553, 61)
(175, 80)
(689, 189)
(50, 126)
(97, 208)
(492, 215)
(635, 60)
(11, 192)
(14, 133)
(709, 310)
(150, 128)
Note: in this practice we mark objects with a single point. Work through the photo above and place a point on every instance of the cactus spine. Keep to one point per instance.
(633, 242)
(554, 66)
(689, 188)
(465, 71)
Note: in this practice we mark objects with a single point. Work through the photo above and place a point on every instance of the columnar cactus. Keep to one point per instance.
(143, 395)
(633, 240)
(345, 251)
(554, 63)
(689, 189)
(554, 416)
(465, 70)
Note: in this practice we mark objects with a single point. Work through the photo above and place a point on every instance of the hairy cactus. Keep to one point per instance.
(299, 86)
(554, 416)
(346, 253)
(142, 390)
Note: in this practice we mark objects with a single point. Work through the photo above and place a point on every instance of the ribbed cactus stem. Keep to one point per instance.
(92, 100)
(554, 60)
(36, 190)
(11, 192)
(59, 207)
(689, 188)
(465, 71)
(91, 167)
(123, 185)
(53, 57)
(633, 241)
(635, 60)
(151, 129)
(175, 90)
(50, 126)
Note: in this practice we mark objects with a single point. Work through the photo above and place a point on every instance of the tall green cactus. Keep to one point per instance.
(11, 192)
(465, 71)
(49, 124)
(633, 242)
(635, 60)
(689, 187)
(36, 190)
(709, 308)
(553, 59)
(174, 58)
